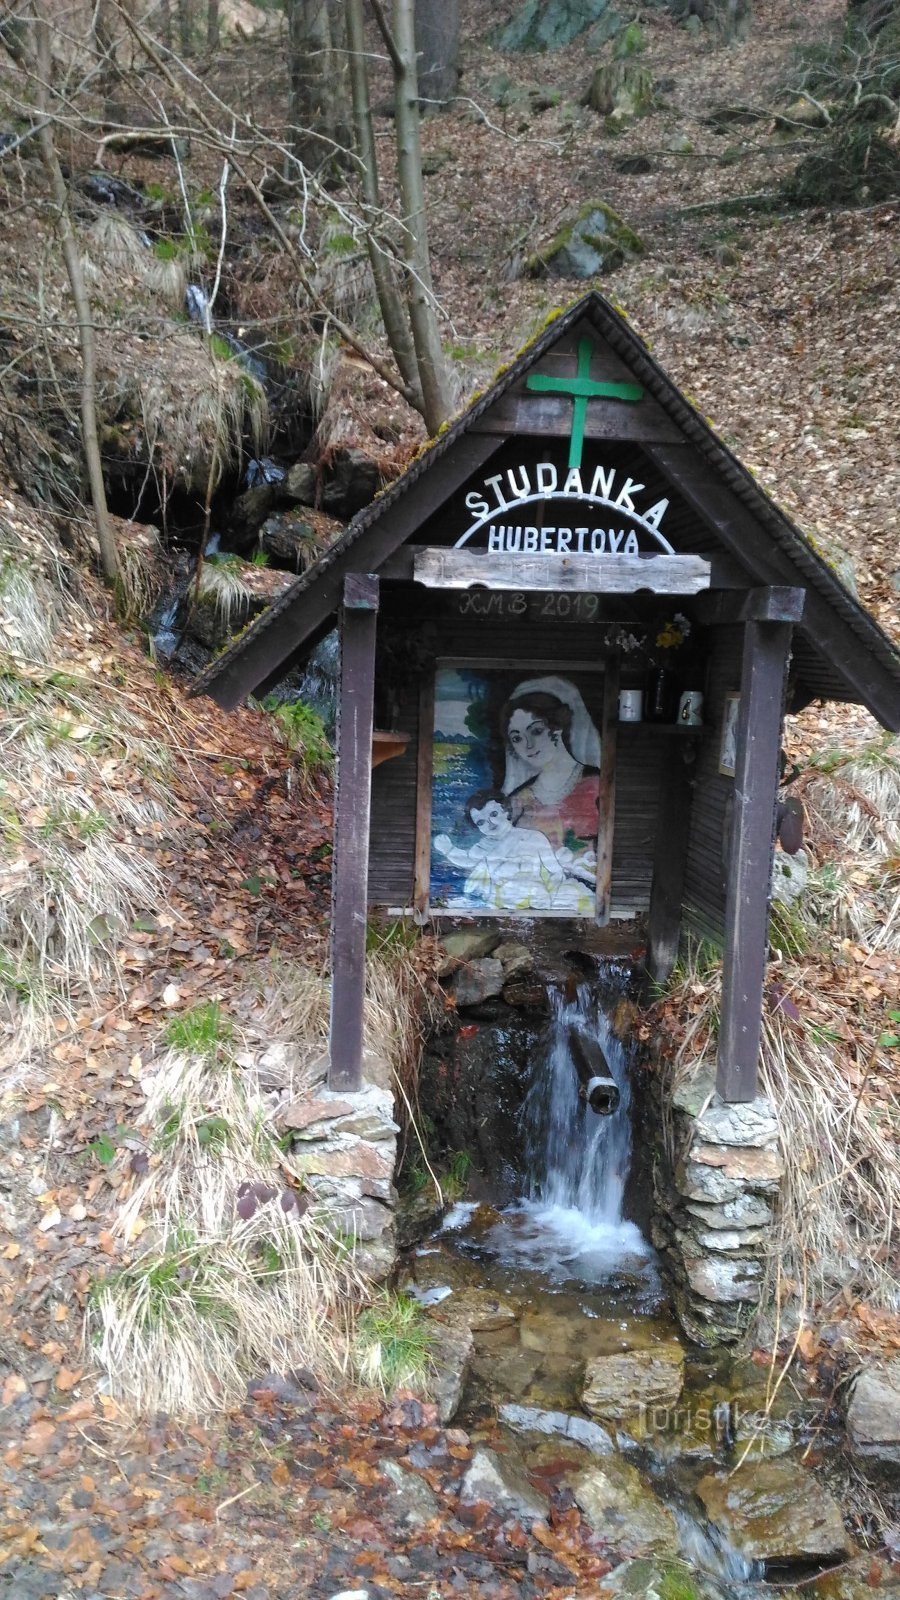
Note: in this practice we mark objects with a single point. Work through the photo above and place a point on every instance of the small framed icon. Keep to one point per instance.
(728, 746)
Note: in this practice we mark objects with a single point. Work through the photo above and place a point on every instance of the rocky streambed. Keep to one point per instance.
(705, 1478)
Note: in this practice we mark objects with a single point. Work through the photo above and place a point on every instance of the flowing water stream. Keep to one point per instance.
(580, 1281)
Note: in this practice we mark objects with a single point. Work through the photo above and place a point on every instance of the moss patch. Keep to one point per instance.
(594, 242)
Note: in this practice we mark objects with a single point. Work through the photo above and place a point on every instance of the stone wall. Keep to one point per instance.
(716, 1181)
(346, 1147)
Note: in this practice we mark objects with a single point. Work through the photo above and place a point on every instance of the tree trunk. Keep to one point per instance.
(390, 300)
(185, 26)
(212, 26)
(310, 134)
(433, 376)
(109, 558)
(437, 38)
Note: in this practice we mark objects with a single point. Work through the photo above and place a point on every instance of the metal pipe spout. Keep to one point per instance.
(596, 1084)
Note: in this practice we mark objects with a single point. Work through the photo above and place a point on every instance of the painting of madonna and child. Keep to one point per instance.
(515, 783)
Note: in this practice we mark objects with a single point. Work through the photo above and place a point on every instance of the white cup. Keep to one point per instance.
(631, 705)
(690, 709)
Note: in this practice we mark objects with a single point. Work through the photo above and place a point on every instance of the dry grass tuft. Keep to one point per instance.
(142, 567)
(238, 1276)
(223, 588)
(82, 789)
(840, 1196)
(115, 256)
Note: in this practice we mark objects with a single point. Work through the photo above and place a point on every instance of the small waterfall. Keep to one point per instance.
(569, 1223)
(577, 1160)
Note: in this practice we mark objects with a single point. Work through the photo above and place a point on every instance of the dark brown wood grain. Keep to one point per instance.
(606, 790)
(763, 678)
(424, 773)
(359, 616)
(669, 861)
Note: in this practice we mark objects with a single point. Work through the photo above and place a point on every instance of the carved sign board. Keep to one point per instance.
(439, 568)
(583, 511)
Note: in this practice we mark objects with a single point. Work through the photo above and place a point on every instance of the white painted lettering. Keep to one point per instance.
(495, 538)
(546, 478)
(564, 539)
(631, 545)
(494, 483)
(656, 513)
(629, 488)
(573, 484)
(602, 483)
(598, 542)
(513, 538)
(477, 503)
(529, 537)
(582, 535)
(615, 540)
(521, 490)
(545, 540)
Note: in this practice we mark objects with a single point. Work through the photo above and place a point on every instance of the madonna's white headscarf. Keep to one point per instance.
(583, 741)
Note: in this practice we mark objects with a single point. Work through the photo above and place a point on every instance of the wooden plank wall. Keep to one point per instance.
(641, 758)
(705, 878)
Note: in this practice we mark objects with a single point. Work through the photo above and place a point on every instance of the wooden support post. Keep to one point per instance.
(763, 677)
(424, 776)
(606, 790)
(669, 862)
(352, 802)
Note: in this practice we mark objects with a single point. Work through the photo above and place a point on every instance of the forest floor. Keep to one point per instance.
(783, 328)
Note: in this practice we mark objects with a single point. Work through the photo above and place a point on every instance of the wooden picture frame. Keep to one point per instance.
(728, 740)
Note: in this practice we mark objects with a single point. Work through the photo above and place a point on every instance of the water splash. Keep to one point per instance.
(569, 1223)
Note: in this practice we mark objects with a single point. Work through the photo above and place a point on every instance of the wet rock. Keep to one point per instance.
(232, 593)
(350, 482)
(774, 1511)
(595, 241)
(483, 1311)
(477, 981)
(514, 958)
(873, 1418)
(723, 1279)
(470, 944)
(649, 1579)
(290, 540)
(724, 1239)
(409, 1498)
(503, 1485)
(618, 1506)
(508, 1371)
(626, 1383)
(247, 515)
(451, 1355)
(560, 1424)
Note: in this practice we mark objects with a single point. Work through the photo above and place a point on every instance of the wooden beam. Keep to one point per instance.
(549, 416)
(439, 568)
(771, 604)
(352, 801)
(399, 567)
(669, 863)
(424, 776)
(763, 680)
(606, 790)
(740, 532)
(268, 653)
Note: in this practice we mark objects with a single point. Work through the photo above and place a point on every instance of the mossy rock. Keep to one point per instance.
(547, 24)
(649, 1579)
(857, 167)
(620, 89)
(594, 242)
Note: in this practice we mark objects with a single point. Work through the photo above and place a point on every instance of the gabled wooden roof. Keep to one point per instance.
(845, 654)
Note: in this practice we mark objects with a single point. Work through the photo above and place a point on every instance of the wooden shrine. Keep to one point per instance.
(509, 611)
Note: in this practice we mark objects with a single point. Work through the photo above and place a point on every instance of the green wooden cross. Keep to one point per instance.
(582, 388)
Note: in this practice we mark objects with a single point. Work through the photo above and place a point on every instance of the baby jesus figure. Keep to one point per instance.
(510, 868)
